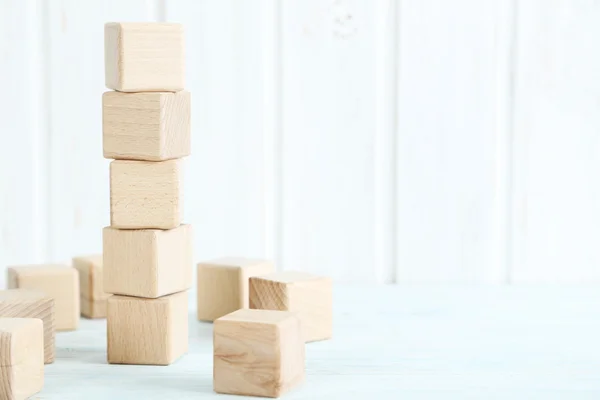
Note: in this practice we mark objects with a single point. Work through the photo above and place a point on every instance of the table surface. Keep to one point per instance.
(390, 342)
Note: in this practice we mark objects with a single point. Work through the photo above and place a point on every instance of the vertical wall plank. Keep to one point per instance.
(329, 118)
(79, 195)
(225, 182)
(447, 141)
(22, 165)
(557, 145)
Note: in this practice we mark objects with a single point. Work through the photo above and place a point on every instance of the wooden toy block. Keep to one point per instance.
(144, 57)
(223, 285)
(21, 357)
(60, 282)
(91, 286)
(145, 195)
(153, 126)
(147, 331)
(147, 263)
(308, 295)
(257, 353)
(25, 303)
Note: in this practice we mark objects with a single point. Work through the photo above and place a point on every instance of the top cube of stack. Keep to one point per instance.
(144, 57)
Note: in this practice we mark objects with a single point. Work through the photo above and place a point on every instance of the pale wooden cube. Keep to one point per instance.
(25, 303)
(257, 353)
(91, 285)
(308, 295)
(144, 57)
(147, 331)
(147, 263)
(223, 285)
(146, 126)
(61, 282)
(145, 195)
(21, 357)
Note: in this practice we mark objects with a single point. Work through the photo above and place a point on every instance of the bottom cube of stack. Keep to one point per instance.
(147, 331)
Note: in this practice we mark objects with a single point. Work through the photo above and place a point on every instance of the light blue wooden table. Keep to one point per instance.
(391, 342)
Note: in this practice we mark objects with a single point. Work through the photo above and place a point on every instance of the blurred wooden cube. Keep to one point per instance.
(257, 353)
(147, 263)
(308, 295)
(223, 285)
(61, 282)
(147, 331)
(144, 57)
(153, 126)
(25, 303)
(145, 195)
(21, 357)
(91, 285)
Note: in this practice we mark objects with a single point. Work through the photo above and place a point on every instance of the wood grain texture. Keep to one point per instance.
(58, 281)
(146, 126)
(144, 57)
(91, 277)
(223, 285)
(308, 295)
(25, 303)
(257, 353)
(21, 357)
(147, 331)
(146, 195)
(93, 308)
(91, 285)
(147, 263)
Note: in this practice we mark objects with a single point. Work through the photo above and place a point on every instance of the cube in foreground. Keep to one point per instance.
(25, 303)
(91, 285)
(147, 263)
(308, 295)
(21, 357)
(257, 353)
(144, 57)
(58, 281)
(145, 194)
(147, 331)
(223, 285)
(152, 126)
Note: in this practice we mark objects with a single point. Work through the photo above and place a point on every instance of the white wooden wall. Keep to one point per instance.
(374, 141)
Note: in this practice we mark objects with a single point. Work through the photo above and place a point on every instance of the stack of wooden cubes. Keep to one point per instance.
(147, 250)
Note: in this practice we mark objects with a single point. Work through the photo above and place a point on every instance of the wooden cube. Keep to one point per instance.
(145, 195)
(91, 286)
(257, 353)
(147, 263)
(147, 331)
(21, 357)
(58, 281)
(144, 57)
(152, 126)
(223, 285)
(308, 295)
(25, 303)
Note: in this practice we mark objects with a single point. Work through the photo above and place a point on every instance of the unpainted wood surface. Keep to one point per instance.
(147, 263)
(61, 282)
(25, 303)
(307, 294)
(222, 285)
(21, 357)
(144, 57)
(258, 353)
(146, 126)
(146, 195)
(147, 331)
